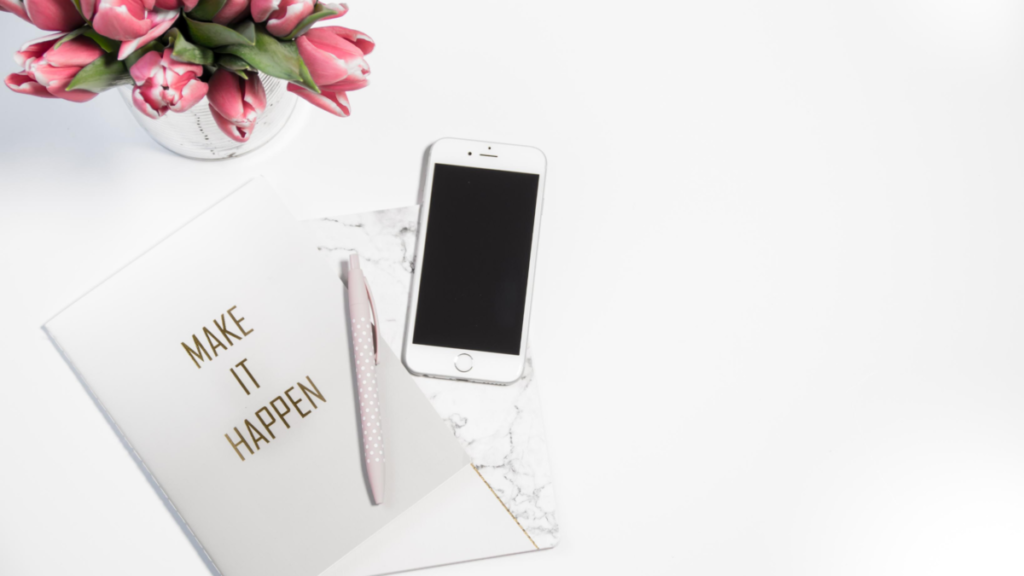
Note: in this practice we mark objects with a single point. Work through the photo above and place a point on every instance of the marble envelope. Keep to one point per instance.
(500, 427)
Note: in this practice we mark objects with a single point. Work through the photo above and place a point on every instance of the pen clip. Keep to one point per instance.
(376, 325)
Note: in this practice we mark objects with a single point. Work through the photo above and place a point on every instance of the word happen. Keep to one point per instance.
(282, 408)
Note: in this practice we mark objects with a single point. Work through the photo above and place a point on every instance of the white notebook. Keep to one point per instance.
(222, 356)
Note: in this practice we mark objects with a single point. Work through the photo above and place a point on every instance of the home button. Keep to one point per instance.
(463, 362)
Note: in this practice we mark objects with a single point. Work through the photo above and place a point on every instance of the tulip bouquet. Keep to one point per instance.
(177, 52)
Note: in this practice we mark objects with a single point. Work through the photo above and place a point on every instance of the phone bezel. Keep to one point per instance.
(436, 361)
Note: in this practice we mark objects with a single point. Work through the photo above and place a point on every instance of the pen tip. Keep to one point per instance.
(377, 485)
(353, 261)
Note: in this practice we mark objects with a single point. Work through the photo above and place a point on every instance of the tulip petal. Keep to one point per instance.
(360, 39)
(331, 58)
(331, 40)
(262, 9)
(146, 67)
(77, 52)
(180, 67)
(186, 5)
(23, 84)
(88, 7)
(46, 74)
(334, 102)
(140, 102)
(59, 89)
(14, 7)
(325, 67)
(35, 48)
(161, 21)
(191, 91)
(285, 19)
(231, 11)
(341, 10)
(225, 95)
(58, 15)
(235, 132)
(121, 19)
(49, 40)
(255, 95)
(347, 85)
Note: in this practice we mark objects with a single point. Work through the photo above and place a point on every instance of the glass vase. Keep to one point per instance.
(194, 133)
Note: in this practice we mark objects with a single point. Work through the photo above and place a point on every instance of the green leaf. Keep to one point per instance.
(102, 73)
(138, 54)
(319, 12)
(70, 36)
(214, 35)
(248, 29)
(185, 51)
(234, 64)
(207, 9)
(274, 58)
(103, 42)
(109, 45)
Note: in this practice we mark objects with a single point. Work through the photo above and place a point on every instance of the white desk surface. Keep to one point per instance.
(779, 306)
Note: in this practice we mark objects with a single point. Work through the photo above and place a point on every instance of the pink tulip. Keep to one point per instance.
(59, 15)
(186, 5)
(282, 16)
(162, 84)
(48, 70)
(122, 19)
(236, 104)
(133, 22)
(16, 7)
(231, 11)
(334, 102)
(263, 9)
(334, 56)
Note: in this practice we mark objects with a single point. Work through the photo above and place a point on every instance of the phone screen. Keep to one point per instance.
(476, 259)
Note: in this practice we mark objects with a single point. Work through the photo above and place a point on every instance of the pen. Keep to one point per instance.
(365, 341)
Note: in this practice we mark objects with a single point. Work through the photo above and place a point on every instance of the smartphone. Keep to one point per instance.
(476, 256)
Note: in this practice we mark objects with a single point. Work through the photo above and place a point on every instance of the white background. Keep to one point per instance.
(778, 313)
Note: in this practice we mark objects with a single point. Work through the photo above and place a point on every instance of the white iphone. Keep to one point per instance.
(476, 253)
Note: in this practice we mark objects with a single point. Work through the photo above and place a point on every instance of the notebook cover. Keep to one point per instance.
(222, 357)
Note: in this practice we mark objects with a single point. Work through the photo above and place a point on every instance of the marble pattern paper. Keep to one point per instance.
(499, 426)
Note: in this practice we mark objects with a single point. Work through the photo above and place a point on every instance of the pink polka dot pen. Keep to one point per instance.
(365, 340)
